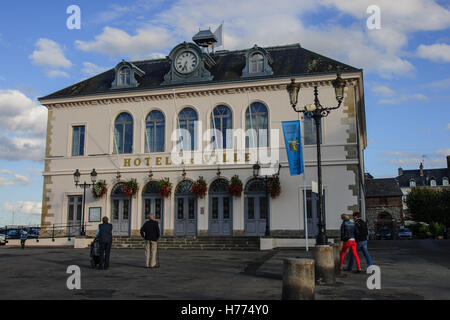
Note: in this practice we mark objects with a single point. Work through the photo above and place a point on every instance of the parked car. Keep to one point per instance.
(2, 239)
(384, 234)
(405, 233)
(13, 234)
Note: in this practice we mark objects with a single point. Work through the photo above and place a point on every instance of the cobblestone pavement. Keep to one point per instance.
(414, 269)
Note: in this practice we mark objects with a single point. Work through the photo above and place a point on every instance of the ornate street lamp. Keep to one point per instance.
(256, 168)
(317, 111)
(84, 185)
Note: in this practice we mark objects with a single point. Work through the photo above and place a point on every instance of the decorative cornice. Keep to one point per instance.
(154, 96)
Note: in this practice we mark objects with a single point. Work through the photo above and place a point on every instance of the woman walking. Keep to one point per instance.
(348, 237)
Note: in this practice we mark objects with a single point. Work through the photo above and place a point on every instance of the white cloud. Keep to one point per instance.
(49, 54)
(23, 207)
(437, 159)
(20, 115)
(401, 154)
(414, 98)
(380, 51)
(9, 178)
(57, 74)
(113, 41)
(401, 15)
(91, 69)
(439, 84)
(18, 148)
(22, 127)
(383, 90)
(439, 52)
(443, 152)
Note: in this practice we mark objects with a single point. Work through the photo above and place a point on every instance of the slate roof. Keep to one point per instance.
(387, 187)
(288, 60)
(437, 174)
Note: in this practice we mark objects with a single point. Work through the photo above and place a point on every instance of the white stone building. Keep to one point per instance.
(121, 123)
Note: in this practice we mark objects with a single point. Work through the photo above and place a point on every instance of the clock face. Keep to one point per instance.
(186, 62)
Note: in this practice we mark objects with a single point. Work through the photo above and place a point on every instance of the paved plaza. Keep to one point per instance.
(416, 269)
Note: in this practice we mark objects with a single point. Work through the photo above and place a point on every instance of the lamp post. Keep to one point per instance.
(317, 112)
(84, 185)
(256, 168)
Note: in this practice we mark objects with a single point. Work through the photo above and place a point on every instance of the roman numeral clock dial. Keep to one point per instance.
(186, 62)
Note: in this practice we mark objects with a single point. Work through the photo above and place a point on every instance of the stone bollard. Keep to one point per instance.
(298, 279)
(337, 258)
(324, 264)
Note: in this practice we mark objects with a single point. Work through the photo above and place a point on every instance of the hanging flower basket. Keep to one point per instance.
(199, 188)
(99, 189)
(130, 188)
(235, 187)
(274, 187)
(164, 188)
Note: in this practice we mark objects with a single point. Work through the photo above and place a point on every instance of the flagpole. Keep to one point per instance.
(305, 216)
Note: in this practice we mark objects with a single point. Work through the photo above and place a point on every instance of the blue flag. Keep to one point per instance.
(294, 149)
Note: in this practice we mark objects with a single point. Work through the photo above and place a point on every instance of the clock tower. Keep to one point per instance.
(188, 64)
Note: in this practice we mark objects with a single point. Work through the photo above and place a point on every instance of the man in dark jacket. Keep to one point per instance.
(104, 235)
(361, 234)
(150, 232)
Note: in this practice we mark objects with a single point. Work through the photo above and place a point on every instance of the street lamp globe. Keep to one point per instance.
(93, 176)
(76, 176)
(339, 85)
(293, 90)
(256, 168)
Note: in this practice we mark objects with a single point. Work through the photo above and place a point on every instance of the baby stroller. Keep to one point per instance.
(95, 253)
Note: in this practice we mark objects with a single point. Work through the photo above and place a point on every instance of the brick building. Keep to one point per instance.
(384, 206)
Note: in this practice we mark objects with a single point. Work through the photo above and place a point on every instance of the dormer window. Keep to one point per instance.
(412, 183)
(257, 63)
(127, 75)
(433, 182)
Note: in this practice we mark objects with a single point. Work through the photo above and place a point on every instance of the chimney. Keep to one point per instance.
(448, 162)
(400, 171)
(421, 169)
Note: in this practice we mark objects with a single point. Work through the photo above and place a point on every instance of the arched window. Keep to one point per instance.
(154, 132)
(218, 186)
(412, 183)
(125, 76)
(187, 120)
(257, 118)
(256, 63)
(123, 134)
(222, 120)
(184, 187)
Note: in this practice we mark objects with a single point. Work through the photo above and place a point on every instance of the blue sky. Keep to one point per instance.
(406, 68)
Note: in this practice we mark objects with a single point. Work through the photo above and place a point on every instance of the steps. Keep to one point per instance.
(191, 243)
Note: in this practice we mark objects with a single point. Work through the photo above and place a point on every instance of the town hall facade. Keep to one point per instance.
(122, 125)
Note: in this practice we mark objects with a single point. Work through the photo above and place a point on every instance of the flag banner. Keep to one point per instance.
(294, 149)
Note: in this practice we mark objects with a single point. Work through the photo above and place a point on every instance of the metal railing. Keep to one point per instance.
(37, 232)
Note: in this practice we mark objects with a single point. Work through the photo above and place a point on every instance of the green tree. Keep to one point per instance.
(429, 205)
